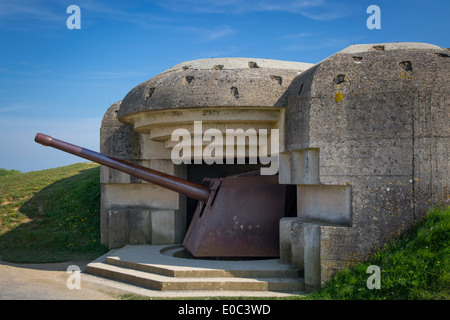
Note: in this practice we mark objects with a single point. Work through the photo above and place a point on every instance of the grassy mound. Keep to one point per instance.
(51, 215)
(415, 267)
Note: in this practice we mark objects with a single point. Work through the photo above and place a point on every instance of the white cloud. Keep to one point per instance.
(297, 35)
(314, 9)
(203, 34)
(315, 45)
(23, 15)
(332, 11)
(235, 6)
(200, 34)
(14, 107)
(25, 8)
(112, 75)
(218, 33)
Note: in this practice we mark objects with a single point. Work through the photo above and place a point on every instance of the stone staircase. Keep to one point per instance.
(159, 268)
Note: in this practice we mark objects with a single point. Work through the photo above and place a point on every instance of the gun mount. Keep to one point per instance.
(236, 216)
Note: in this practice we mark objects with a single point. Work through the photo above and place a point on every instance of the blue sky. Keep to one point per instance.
(60, 82)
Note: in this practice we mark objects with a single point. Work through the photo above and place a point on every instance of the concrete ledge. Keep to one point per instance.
(312, 256)
(299, 167)
(325, 203)
(146, 266)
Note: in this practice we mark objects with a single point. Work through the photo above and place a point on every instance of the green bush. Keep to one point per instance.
(4, 172)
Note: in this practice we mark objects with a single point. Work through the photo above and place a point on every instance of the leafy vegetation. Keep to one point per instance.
(4, 172)
(51, 215)
(414, 267)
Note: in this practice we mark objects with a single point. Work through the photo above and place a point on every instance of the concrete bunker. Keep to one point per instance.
(139, 129)
(363, 143)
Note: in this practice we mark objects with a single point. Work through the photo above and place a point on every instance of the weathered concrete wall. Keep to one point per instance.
(135, 211)
(379, 116)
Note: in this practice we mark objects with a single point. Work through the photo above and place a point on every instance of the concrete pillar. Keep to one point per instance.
(318, 205)
(299, 167)
(140, 226)
(119, 230)
(285, 239)
(292, 242)
(298, 244)
(312, 267)
(284, 168)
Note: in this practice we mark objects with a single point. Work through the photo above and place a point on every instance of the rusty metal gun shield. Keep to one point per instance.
(240, 219)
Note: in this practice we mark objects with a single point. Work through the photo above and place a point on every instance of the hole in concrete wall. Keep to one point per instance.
(406, 65)
(378, 48)
(340, 78)
(149, 93)
(291, 201)
(357, 59)
(277, 79)
(252, 64)
(301, 89)
(184, 68)
(442, 55)
(218, 67)
(234, 91)
(188, 79)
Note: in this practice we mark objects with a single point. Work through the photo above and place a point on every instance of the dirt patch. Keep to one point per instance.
(48, 281)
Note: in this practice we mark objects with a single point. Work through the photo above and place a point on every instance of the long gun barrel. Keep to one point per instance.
(167, 181)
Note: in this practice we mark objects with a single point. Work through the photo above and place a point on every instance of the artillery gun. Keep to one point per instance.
(236, 216)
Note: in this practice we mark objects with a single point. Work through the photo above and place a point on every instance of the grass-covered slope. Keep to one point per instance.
(417, 266)
(50, 215)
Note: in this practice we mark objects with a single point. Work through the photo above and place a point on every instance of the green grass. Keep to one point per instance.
(51, 215)
(4, 172)
(416, 267)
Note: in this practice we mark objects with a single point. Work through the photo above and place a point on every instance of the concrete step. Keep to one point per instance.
(151, 267)
(166, 283)
(192, 272)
